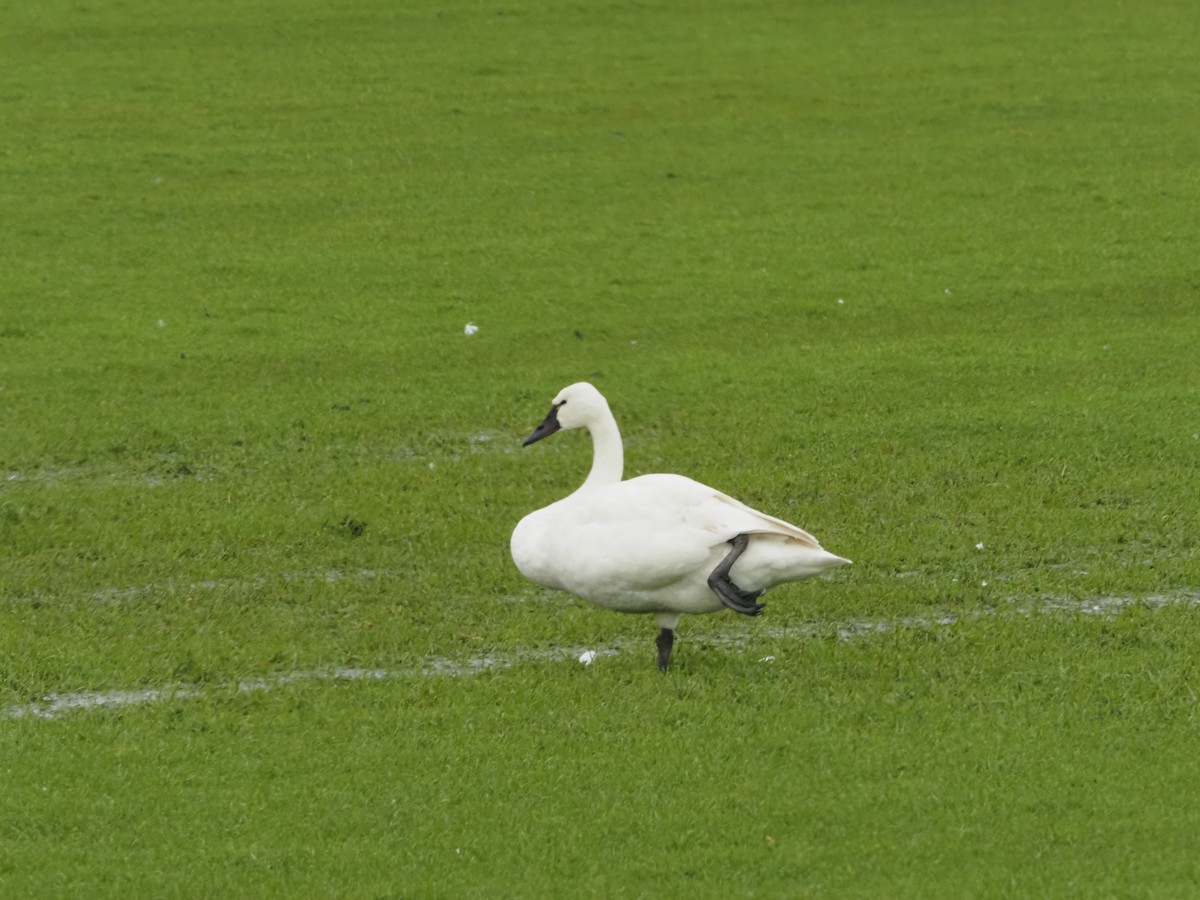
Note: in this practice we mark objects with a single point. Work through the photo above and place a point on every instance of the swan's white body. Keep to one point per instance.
(650, 544)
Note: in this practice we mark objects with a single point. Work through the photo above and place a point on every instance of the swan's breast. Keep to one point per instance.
(531, 550)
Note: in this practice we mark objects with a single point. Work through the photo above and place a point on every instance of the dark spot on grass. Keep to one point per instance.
(355, 527)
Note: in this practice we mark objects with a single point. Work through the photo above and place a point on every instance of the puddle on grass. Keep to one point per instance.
(854, 629)
(329, 576)
(454, 449)
(57, 705)
(1105, 606)
(52, 706)
(172, 469)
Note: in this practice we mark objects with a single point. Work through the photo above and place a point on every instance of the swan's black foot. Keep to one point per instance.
(665, 641)
(729, 593)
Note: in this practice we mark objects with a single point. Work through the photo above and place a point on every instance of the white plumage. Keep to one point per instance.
(660, 544)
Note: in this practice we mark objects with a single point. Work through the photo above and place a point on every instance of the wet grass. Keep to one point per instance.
(1055, 753)
(921, 279)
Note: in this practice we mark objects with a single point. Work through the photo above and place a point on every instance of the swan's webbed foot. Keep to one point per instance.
(743, 601)
(729, 593)
(664, 642)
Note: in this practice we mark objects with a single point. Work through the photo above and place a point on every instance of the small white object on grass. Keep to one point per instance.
(471, 329)
(767, 659)
(979, 546)
(587, 656)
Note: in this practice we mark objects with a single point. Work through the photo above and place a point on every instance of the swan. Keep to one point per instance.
(660, 544)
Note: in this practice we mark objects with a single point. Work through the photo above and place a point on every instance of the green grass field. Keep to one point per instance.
(920, 277)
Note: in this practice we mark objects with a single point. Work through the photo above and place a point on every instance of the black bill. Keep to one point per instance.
(548, 427)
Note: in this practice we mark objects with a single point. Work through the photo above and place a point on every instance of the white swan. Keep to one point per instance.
(660, 544)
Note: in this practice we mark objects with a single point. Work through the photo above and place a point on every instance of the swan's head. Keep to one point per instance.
(576, 406)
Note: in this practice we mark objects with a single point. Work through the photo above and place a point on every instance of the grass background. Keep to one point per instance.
(917, 276)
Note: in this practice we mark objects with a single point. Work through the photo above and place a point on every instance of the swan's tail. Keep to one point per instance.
(773, 559)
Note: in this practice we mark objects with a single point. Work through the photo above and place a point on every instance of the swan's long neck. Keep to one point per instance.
(608, 456)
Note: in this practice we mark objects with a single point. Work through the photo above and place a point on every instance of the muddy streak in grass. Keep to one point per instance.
(53, 706)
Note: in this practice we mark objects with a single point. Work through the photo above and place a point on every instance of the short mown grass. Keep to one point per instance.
(921, 278)
(1034, 757)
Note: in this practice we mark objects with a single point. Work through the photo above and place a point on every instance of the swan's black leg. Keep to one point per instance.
(665, 641)
(728, 592)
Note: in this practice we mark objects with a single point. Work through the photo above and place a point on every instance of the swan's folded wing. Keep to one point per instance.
(652, 530)
(707, 508)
